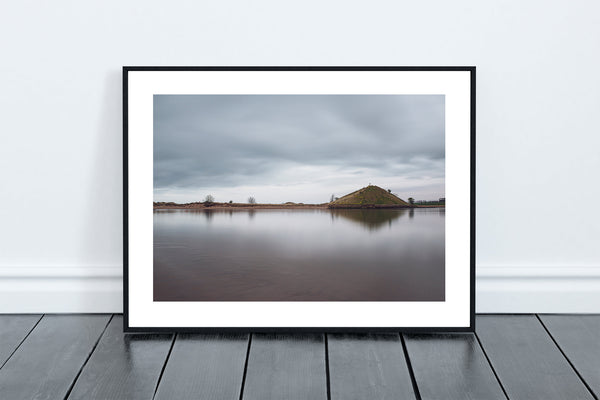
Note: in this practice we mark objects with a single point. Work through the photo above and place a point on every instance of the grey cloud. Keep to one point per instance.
(226, 140)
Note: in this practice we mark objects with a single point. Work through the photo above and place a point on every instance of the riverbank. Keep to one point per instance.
(288, 206)
(236, 206)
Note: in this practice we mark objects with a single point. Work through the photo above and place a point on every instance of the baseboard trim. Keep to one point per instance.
(538, 289)
(499, 289)
(59, 289)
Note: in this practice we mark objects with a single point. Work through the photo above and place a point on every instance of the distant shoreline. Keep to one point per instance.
(369, 197)
(236, 206)
(294, 206)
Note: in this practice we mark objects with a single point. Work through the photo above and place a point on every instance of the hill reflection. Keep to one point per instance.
(370, 218)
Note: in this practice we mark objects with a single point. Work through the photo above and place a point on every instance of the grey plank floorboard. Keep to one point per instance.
(123, 366)
(368, 366)
(451, 366)
(579, 338)
(286, 366)
(13, 329)
(526, 360)
(205, 366)
(46, 364)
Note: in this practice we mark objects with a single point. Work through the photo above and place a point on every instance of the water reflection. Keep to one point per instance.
(369, 219)
(299, 255)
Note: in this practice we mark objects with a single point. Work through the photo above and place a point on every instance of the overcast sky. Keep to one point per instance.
(300, 148)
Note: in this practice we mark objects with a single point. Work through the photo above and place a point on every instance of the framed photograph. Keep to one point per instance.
(299, 198)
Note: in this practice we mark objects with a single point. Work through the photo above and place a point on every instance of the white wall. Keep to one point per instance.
(538, 127)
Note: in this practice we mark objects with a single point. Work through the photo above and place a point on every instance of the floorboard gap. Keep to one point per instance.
(246, 366)
(162, 371)
(491, 366)
(327, 375)
(87, 359)
(21, 342)
(410, 369)
(566, 358)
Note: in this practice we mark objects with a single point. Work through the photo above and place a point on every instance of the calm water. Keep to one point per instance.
(308, 255)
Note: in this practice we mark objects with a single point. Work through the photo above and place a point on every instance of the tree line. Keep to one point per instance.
(210, 199)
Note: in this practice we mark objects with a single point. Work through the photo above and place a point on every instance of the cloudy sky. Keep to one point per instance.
(300, 148)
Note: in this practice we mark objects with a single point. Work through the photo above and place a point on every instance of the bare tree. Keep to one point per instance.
(251, 200)
(209, 199)
(332, 198)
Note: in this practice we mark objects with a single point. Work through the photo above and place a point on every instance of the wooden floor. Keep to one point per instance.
(510, 356)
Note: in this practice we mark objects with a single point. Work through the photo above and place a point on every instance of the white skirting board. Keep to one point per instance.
(502, 289)
(539, 289)
(49, 289)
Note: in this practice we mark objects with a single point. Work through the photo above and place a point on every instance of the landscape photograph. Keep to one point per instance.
(299, 198)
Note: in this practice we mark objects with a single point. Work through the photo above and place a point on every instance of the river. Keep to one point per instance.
(299, 255)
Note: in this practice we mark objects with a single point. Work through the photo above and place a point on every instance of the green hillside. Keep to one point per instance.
(369, 197)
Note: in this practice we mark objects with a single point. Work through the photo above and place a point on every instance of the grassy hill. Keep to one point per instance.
(369, 197)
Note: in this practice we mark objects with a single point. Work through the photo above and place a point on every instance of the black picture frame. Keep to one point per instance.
(126, 231)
